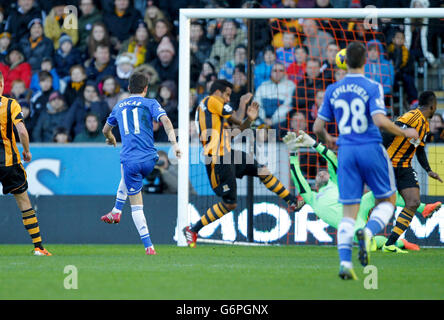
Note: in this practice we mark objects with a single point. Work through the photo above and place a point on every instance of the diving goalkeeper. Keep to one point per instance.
(325, 202)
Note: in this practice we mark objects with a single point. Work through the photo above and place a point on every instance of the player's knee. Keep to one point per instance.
(413, 204)
(230, 206)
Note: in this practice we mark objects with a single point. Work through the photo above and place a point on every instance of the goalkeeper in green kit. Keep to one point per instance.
(325, 202)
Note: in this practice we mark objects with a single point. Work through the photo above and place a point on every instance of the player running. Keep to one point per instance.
(401, 151)
(357, 104)
(223, 164)
(12, 173)
(135, 116)
(325, 202)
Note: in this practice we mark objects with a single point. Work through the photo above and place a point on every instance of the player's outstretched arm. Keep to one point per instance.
(107, 132)
(382, 122)
(322, 134)
(421, 155)
(299, 180)
(169, 130)
(24, 140)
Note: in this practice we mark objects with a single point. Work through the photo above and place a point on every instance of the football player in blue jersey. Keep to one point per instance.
(357, 104)
(135, 116)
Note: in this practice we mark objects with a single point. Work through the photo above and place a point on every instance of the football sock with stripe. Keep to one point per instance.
(121, 197)
(379, 218)
(402, 223)
(140, 223)
(274, 185)
(345, 236)
(32, 226)
(213, 213)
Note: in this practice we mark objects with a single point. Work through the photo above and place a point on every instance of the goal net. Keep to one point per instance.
(286, 59)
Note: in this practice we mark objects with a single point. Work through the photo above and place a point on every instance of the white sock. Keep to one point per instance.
(141, 225)
(121, 196)
(379, 218)
(345, 240)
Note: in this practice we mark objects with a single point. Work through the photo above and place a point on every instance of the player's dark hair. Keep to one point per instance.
(426, 99)
(221, 85)
(137, 83)
(356, 55)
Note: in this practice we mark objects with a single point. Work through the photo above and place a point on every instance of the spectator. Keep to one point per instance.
(152, 14)
(76, 84)
(66, 56)
(58, 23)
(61, 135)
(20, 17)
(124, 69)
(437, 128)
(240, 57)
(275, 96)
(169, 173)
(162, 28)
(101, 65)
(328, 65)
(262, 71)
(37, 46)
(5, 41)
(15, 67)
(378, 68)
(316, 40)
(166, 63)
(239, 85)
(153, 79)
(403, 66)
(19, 91)
(140, 45)
(98, 36)
(200, 48)
(51, 117)
(109, 89)
(296, 70)
(41, 98)
(168, 100)
(339, 74)
(417, 35)
(89, 16)
(306, 88)
(2, 19)
(223, 48)
(208, 70)
(286, 53)
(121, 21)
(313, 113)
(92, 132)
(90, 102)
(46, 65)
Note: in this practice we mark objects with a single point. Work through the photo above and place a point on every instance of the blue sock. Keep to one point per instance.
(119, 204)
(380, 217)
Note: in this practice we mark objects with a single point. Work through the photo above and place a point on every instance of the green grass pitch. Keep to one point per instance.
(213, 272)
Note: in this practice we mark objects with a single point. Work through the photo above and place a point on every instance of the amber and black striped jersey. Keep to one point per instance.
(10, 115)
(211, 116)
(401, 150)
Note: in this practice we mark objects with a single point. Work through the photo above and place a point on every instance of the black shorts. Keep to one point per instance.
(13, 179)
(406, 178)
(223, 172)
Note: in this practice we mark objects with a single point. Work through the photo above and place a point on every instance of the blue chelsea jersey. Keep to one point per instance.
(135, 116)
(353, 101)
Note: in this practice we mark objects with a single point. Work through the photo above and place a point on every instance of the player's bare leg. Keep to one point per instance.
(140, 222)
(31, 223)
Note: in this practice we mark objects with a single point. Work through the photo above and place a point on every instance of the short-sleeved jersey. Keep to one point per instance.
(10, 115)
(401, 150)
(353, 101)
(135, 116)
(211, 116)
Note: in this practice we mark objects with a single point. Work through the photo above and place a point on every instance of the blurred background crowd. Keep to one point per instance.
(68, 62)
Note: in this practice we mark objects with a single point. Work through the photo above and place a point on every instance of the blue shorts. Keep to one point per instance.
(133, 174)
(364, 164)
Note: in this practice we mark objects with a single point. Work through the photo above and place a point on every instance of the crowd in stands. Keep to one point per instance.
(68, 62)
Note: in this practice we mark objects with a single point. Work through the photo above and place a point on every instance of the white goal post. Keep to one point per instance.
(184, 68)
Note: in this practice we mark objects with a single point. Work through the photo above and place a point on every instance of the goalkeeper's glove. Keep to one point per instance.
(294, 141)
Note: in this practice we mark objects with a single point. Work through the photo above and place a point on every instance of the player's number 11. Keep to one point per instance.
(135, 121)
